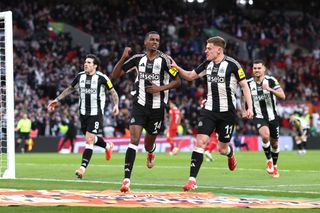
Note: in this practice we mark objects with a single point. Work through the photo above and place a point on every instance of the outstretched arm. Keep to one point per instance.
(53, 104)
(117, 71)
(115, 100)
(187, 75)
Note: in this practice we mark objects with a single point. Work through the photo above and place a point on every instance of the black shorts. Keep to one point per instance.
(24, 135)
(222, 122)
(303, 132)
(274, 126)
(150, 119)
(91, 123)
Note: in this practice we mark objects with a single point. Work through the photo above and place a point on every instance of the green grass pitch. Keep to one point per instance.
(299, 175)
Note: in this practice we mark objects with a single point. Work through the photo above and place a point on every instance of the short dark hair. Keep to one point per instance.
(149, 33)
(218, 41)
(258, 61)
(95, 58)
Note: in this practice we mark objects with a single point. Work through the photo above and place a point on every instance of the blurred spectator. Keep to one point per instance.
(288, 41)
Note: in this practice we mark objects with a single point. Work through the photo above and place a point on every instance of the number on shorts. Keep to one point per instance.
(96, 125)
(157, 125)
(229, 129)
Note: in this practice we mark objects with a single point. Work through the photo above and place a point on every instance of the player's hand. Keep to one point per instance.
(153, 88)
(173, 63)
(52, 105)
(115, 110)
(203, 103)
(243, 113)
(126, 52)
(249, 113)
(265, 87)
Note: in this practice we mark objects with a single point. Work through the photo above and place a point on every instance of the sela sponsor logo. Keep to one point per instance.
(260, 97)
(89, 90)
(149, 76)
(215, 79)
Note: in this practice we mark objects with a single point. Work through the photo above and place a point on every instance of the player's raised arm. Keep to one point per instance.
(117, 70)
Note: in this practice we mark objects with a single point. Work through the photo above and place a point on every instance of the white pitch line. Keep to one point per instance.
(163, 185)
(172, 167)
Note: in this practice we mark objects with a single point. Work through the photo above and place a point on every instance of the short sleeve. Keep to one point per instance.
(75, 81)
(201, 67)
(274, 83)
(131, 62)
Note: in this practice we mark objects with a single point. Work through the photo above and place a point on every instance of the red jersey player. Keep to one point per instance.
(211, 145)
(174, 122)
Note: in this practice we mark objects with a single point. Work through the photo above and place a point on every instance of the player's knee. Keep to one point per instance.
(201, 143)
(90, 139)
(148, 147)
(222, 151)
(134, 140)
(265, 137)
(274, 146)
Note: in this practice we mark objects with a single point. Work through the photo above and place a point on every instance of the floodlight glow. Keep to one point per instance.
(243, 2)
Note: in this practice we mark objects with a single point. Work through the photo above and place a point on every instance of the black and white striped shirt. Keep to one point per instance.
(222, 82)
(264, 102)
(155, 71)
(92, 89)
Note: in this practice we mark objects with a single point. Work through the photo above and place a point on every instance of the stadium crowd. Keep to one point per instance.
(45, 62)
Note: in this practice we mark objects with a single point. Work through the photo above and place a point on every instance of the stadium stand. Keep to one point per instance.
(46, 60)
